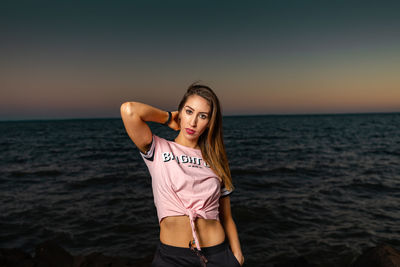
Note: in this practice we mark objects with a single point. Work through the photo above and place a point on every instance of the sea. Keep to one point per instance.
(322, 187)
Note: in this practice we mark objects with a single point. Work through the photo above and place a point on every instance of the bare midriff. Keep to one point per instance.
(176, 231)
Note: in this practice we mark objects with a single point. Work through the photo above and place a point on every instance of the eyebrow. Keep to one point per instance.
(194, 109)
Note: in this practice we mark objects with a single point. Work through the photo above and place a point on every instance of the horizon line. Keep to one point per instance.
(230, 115)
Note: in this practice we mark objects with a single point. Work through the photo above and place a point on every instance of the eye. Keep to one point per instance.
(188, 111)
(203, 116)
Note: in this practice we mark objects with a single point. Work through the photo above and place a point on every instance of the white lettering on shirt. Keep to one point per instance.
(167, 156)
(193, 161)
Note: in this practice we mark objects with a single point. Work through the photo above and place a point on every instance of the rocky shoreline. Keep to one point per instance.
(50, 254)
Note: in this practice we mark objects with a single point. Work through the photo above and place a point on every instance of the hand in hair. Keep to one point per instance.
(174, 123)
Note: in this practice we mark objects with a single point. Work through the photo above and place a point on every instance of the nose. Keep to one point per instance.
(193, 121)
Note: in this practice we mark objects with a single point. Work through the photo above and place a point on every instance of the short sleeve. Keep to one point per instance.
(149, 155)
(225, 192)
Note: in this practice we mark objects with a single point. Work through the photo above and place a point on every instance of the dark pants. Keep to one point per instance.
(216, 256)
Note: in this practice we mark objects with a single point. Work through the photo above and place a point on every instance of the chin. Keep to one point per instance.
(191, 137)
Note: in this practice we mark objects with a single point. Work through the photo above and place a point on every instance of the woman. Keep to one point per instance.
(191, 180)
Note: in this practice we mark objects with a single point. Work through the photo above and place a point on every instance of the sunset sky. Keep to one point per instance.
(82, 59)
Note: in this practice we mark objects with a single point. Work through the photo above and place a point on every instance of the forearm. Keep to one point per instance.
(233, 237)
(144, 112)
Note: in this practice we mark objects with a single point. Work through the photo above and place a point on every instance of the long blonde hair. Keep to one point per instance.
(211, 142)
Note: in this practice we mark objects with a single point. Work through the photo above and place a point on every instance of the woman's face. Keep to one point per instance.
(194, 116)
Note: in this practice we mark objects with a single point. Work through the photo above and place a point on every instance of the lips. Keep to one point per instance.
(190, 131)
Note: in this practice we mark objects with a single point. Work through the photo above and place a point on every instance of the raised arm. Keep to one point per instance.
(135, 114)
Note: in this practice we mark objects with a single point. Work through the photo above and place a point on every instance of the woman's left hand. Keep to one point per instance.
(240, 258)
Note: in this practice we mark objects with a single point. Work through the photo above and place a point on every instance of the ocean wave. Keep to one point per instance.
(304, 185)
(36, 173)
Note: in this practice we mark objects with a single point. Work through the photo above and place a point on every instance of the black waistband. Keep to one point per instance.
(187, 251)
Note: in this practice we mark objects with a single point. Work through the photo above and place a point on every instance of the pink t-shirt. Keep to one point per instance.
(183, 184)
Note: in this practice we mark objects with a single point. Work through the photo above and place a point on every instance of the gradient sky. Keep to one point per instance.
(69, 59)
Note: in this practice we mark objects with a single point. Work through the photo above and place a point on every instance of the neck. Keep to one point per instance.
(180, 139)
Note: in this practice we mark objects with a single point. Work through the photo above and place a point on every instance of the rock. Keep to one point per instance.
(49, 254)
(379, 256)
(296, 262)
(13, 257)
(99, 260)
(145, 262)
